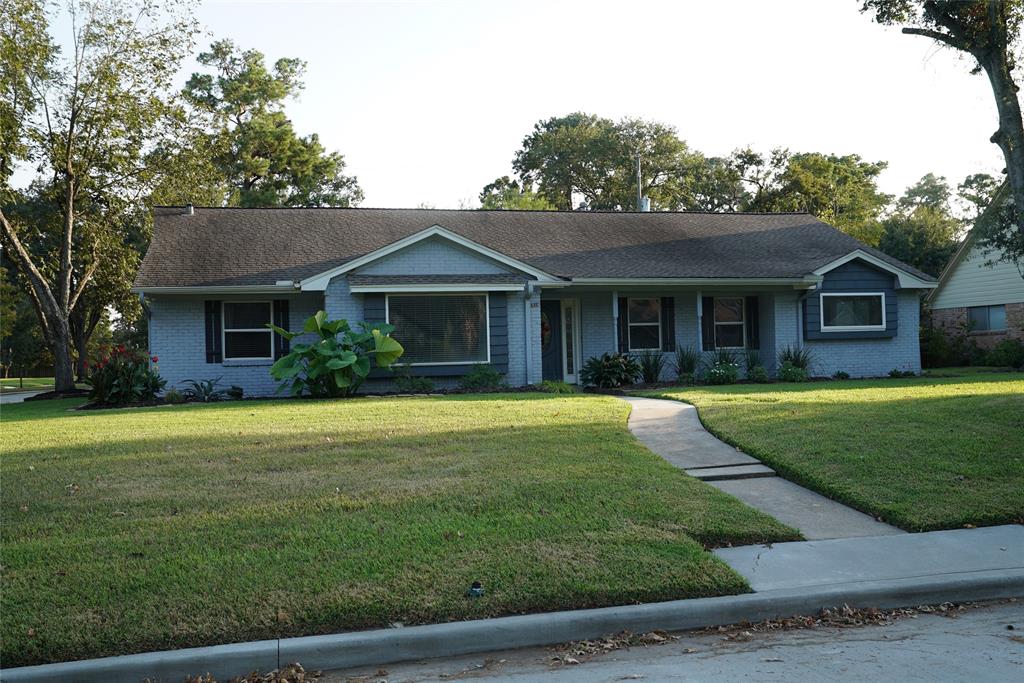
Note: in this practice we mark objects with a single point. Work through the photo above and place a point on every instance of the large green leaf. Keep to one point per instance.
(342, 379)
(315, 322)
(283, 364)
(386, 349)
(362, 366)
(283, 332)
(344, 360)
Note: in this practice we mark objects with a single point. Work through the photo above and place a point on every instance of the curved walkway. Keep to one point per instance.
(672, 430)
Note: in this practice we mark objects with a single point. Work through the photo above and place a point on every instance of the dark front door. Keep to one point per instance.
(551, 339)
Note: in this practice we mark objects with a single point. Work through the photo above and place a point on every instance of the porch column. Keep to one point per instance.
(615, 319)
(700, 323)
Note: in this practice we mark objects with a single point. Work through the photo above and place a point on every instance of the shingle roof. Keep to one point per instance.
(230, 247)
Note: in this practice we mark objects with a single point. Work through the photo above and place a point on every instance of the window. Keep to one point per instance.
(987, 318)
(852, 312)
(246, 336)
(440, 329)
(644, 317)
(730, 327)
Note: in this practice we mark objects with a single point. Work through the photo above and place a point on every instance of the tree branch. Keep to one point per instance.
(89, 272)
(937, 35)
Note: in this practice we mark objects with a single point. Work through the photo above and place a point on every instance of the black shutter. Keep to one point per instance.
(281, 345)
(374, 308)
(753, 323)
(623, 324)
(707, 323)
(668, 323)
(214, 353)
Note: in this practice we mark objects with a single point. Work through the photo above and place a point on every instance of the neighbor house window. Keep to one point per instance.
(987, 318)
(852, 312)
(644, 324)
(730, 327)
(439, 329)
(246, 335)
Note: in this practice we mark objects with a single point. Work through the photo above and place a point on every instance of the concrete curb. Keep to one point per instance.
(386, 646)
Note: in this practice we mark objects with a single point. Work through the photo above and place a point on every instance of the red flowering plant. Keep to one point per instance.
(120, 376)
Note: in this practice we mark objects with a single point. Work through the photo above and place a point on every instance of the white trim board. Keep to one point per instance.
(438, 287)
(320, 282)
(906, 280)
(848, 328)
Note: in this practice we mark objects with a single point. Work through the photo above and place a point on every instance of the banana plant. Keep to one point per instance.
(337, 363)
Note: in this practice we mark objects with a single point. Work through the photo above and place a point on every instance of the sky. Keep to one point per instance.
(429, 101)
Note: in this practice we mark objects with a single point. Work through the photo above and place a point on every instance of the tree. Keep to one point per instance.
(505, 193)
(258, 158)
(975, 193)
(90, 124)
(922, 230)
(989, 32)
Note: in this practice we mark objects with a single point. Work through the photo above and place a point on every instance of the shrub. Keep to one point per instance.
(723, 373)
(728, 356)
(557, 387)
(609, 370)
(797, 356)
(338, 362)
(841, 374)
(483, 376)
(941, 347)
(235, 392)
(172, 395)
(751, 359)
(896, 372)
(686, 362)
(758, 374)
(406, 383)
(122, 376)
(651, 364)
(791, 373)
(203, 390)
(1008, 353)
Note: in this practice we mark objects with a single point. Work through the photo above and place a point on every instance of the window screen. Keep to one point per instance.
(440, 329)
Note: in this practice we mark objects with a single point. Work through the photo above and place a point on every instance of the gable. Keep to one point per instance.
(972, 283)
(857, 275)
(434, 255)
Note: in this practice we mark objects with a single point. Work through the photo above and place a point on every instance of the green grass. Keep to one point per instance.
(178, 526)
(12, 384)
(919, 453)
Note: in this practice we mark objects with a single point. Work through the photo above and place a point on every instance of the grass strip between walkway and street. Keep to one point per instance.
(157, 528)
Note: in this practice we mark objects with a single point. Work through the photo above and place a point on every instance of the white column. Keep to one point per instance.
(700, 323)
(615, 319)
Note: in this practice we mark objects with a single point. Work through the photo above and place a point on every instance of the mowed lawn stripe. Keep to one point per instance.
(154, 528)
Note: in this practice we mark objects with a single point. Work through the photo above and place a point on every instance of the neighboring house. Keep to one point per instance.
(534, 293)
(978, 293)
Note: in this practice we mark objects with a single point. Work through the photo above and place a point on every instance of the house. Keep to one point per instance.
(533, 293)
(978, 293)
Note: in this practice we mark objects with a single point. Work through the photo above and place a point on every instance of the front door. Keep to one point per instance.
(551, 339)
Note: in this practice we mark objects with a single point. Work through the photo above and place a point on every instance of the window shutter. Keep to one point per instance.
(373, 308)
(668, 323)
(623, 324)
(753, 321)
(498, 332)
(214, 353)
(281, 345)
(707, 323)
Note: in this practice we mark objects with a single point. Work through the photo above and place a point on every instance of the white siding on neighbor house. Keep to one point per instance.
(972, 283)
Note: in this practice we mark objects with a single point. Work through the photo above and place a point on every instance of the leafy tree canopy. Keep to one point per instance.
(505, 193)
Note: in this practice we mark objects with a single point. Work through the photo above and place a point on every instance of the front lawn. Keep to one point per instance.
(178, 526)
(13, 384)
(924, 453)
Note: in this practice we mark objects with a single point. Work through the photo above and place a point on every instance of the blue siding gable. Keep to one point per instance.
(855, 276)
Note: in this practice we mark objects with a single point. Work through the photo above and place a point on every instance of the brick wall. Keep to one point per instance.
(952, 321)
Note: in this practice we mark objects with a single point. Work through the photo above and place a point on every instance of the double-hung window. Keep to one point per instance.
(852, 312)
(644, 319)
(441, 329)
(987, 318)
(730, 325)
(246, 335)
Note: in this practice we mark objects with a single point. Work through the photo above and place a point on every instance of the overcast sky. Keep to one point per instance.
(428, 101)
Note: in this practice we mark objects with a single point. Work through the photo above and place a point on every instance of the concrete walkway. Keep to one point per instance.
(18, 396)
(672, 430)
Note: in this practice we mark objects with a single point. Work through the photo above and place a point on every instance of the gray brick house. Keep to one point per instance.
(533, 293)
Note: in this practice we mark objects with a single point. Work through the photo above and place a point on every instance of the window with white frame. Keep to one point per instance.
(730, 322)
(440, 329)
(851, 312)
(987, 318)
(246, 335)
(644, 321)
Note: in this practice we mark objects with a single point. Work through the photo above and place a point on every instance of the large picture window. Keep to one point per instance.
(987, 318)
(440, 329)
(644, 324)
(852, 312)
(246, 335)
(730, 329)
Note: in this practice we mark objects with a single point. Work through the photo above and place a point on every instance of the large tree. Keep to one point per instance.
(89, 123)
(507, 194)
(256, 156)
(922, 230)
(988, 31)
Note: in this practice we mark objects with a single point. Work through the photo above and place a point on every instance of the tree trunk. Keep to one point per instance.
(1010, 136)
(63, 368)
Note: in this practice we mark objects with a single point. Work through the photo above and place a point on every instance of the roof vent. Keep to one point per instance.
(645, 204)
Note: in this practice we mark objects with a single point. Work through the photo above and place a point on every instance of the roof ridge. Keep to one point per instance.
(557, 212)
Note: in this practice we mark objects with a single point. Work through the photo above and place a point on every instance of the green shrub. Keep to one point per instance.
(727, 356)
(121, 376)
(338, 362)
(896, 372)
(235, 392)
(758, 374)
(751, 359)
(651, 364)
(483, 376)
(174, 396)
(791, 373)
(609, 370)
(204, 390)
(798, 356)
(557, 387)
(686, 363)
(723, 373)
(1008, 353)
(841, 374)
(406, 383)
